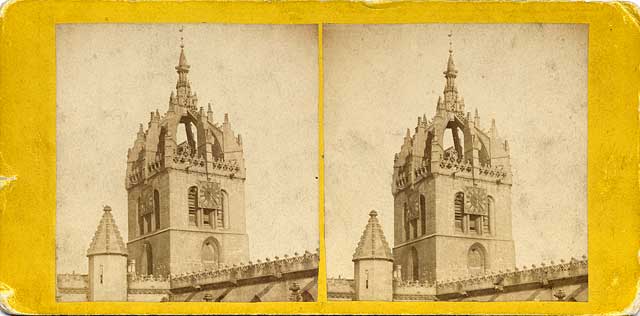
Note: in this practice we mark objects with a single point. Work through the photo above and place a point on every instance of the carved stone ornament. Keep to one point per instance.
(210, 195)
(475, 201)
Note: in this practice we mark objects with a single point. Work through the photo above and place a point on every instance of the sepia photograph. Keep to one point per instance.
(456, 162)
(187, 163)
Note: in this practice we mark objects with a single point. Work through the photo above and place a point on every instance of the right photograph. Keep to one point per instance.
(456, 162)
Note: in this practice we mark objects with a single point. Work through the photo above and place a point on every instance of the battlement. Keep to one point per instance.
(340, 289)
(413, 291)
(148, 282)
(542, 274)
(268, 268)
(414, 287)
(72, 281)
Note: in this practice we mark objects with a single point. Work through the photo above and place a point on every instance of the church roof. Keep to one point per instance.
(107, 239)
(372, 244)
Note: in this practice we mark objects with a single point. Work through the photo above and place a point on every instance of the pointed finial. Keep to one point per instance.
(107, 208)
(373, 213)
(450, 43)
(181, 37)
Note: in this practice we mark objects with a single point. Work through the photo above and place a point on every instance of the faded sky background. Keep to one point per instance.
(110, 76)
(532, 78)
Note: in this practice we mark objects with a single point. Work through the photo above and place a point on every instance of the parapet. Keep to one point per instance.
(72, 281)
(414, 291)
(543, 275)
(269, 268)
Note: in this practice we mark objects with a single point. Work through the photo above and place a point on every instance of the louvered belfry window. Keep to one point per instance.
(458, 207)
(193, 206)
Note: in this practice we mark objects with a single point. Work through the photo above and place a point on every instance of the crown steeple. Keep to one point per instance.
(182, 86)
(451, 98)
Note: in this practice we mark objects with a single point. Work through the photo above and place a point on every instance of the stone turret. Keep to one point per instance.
(373, 264)
(107, 262)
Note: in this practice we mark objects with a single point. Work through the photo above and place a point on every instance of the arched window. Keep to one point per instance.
(476, 259)
(147, 259)
(186, 139)
(156, 208)
(458, 207)
(414, 265)
(140, 218)
(220, 213)
(210, 254)
(487, 227)
(407, 229)
(193, 206)
(423, 215)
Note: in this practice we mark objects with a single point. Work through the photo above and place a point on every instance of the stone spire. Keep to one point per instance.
(450, 89)
(183, 69)
(372, 244)
(107, 239)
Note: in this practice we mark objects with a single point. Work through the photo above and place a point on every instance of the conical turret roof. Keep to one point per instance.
(372, 244)
(107, 239)
(182, 61)
(451, 66)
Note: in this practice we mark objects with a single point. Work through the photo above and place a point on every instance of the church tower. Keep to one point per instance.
(107, 262)
(373, 264)
(185, 183)
(452, 202)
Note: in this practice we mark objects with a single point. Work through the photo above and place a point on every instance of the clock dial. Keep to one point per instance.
(210, 195)
(475, 201)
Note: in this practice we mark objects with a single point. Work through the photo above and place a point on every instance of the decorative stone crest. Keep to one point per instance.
(210, 195)
(475, 201)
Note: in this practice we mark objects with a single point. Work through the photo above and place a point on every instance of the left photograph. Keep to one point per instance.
(187, 162)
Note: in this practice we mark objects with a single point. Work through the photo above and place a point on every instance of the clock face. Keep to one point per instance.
(475, 201)
(210, 195)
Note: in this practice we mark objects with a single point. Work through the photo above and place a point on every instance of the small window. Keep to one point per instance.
(366, 281)
(206, 217)
(473, 223)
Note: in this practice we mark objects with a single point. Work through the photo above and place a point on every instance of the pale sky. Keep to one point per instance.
(110, 76)
(532, 78)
